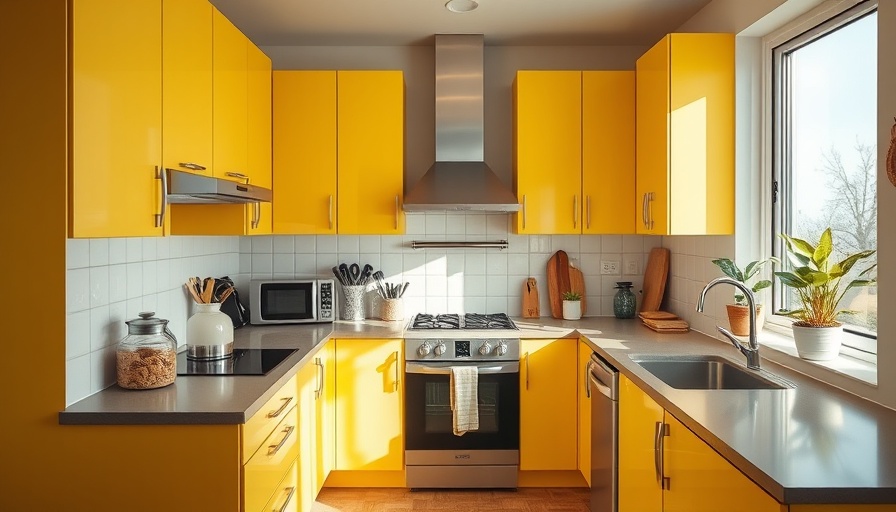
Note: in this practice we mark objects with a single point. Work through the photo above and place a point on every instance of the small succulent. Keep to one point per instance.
(572, 296)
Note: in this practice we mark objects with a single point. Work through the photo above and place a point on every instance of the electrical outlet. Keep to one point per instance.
(631, 267)
(609, 267)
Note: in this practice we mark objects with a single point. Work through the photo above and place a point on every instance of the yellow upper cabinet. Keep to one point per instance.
(685, 136)
(549, 405)
(116, 121)
(305, 152)
(187, 85)
(230, 100)
(547, 152)
(369, 417)
(608, 152)
(259, 144)
(574, 151)
(370, 155)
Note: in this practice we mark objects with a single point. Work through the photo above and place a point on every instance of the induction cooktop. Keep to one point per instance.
(243, 361)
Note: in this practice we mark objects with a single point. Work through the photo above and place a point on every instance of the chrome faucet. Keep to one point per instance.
(751, 352)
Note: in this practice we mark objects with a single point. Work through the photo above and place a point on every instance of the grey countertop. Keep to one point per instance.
(810, 444)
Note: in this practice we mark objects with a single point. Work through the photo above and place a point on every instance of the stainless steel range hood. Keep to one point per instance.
(189, 188)
(460, 179)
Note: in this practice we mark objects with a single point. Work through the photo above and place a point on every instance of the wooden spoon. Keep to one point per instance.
(192, 289)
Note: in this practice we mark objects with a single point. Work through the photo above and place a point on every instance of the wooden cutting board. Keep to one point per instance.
(530, 299)
(655, 275)
(577, 284)
(558, 282)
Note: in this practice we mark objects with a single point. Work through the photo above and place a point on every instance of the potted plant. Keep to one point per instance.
(817, 332)
(739, 313)
(572, 305)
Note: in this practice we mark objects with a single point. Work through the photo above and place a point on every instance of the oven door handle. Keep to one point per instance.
(445, 368)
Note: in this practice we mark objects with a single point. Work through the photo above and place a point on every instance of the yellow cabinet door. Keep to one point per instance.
(186, 90)
(548, 151)
(370, 154)
(304, 152)
(230, 99)
(549, 405)
(701, 480)
(307, 386)
(259, 137)
(114, 190)
(652, 126)
(608, 152)
(286, 497)
(369, 425)
(585, 411)
(685, 136)
(701, 134)
(639, 416)
(325, 417)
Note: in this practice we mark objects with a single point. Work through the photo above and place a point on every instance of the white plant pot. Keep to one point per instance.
(818, 343)
(572, 309)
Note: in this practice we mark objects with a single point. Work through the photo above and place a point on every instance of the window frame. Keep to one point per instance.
(815, 24)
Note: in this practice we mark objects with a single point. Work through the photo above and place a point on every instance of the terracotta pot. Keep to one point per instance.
(739, 319)
(818, 343)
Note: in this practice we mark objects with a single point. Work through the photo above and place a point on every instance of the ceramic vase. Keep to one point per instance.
(209, 333)
(572, 309)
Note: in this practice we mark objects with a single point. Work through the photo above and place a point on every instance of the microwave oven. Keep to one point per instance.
(291, 301)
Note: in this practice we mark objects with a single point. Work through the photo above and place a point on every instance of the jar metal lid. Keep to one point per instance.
(147, 324)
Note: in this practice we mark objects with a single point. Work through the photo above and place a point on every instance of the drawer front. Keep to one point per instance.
(269, 465)
(260, 426)
(286, 497)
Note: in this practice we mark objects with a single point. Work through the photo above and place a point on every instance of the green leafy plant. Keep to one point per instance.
(730, 269)
(572, 296)
(817, 281)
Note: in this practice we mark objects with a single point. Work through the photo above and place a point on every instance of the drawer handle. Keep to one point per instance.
(274, 448)
(192, 166)
(290, 491)
(278, 412)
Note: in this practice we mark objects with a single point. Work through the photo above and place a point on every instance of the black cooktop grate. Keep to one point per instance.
(425, 321)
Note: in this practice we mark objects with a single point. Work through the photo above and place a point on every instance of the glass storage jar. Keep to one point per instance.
(624, 300)
(147, 357)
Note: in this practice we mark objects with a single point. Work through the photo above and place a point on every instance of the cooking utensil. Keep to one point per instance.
(403, 289)
(346, 277)
(365, 273)
(380, 283)
(530, 299)
(355, 273)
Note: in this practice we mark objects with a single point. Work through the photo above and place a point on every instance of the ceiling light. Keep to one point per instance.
(461, 5)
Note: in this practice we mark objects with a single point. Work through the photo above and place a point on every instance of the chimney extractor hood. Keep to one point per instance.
(189, 188)
(460, 179)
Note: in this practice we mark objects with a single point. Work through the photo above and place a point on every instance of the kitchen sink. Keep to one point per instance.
(707, 372)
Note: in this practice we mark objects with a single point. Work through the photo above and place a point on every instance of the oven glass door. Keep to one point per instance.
(288, 301)
(429, 419)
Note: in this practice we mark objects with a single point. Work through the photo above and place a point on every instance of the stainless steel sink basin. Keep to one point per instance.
(707, 372)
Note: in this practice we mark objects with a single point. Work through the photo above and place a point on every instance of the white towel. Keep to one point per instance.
(465, 398)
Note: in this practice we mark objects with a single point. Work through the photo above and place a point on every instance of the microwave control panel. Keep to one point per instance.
(326, 300)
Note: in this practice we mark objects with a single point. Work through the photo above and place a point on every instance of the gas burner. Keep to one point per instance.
(445, 321)
(468, 321)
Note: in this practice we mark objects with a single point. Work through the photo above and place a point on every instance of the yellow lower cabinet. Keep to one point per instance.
(638, 419)
(268, 466)
(324, 416)
(548, 405)
(585, 411)
(369, 408)
(260, 426)
(286, 497)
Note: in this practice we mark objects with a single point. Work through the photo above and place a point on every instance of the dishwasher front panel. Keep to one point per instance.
(604, 431)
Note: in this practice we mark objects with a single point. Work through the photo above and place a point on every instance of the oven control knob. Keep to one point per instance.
(440, 349)
(501, 349)
(485, 348)
(423, 350)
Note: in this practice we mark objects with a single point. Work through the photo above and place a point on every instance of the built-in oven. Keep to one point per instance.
(435, 456)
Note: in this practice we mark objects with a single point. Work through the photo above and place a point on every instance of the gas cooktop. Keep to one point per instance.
(423, 321)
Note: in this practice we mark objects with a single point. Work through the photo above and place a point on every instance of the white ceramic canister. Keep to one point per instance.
(209, 333)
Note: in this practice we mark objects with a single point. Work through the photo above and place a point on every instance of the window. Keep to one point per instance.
(824, 163)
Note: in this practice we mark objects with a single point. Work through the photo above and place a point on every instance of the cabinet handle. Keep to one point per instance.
(237, 175)
(320, 378)
(274, 448)
(396, 370)
(650, 210)
(527, 370)
(662, 430)
(278, 412)
(290, 491)
(587, 379)
(162, 176)
(397, 213)
(524, 211)
(575, 211)
(191, 166)
(330, 211)
(588, 212)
